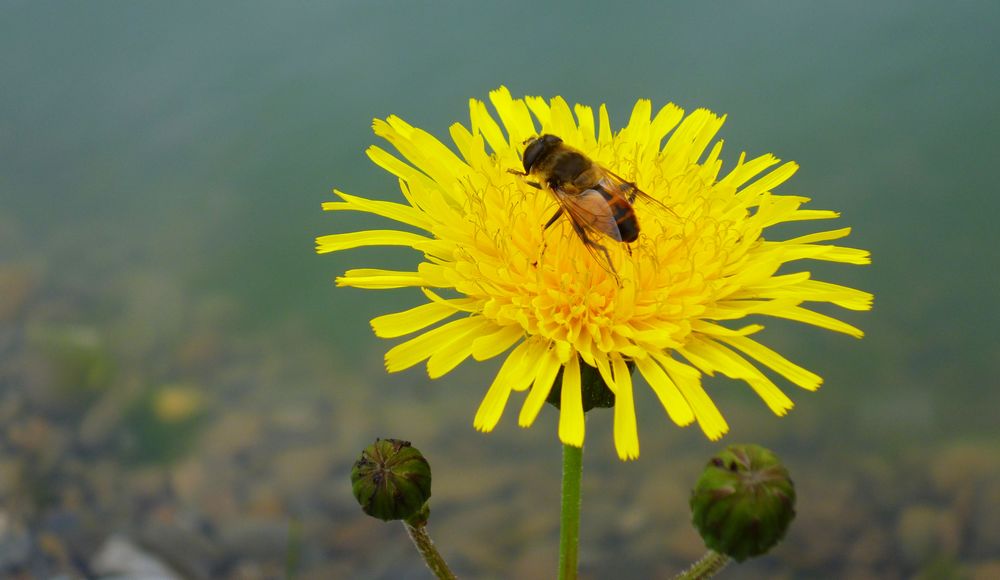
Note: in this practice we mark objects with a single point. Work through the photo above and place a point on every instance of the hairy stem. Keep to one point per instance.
(569, 529)
(709, 565)
(424, 544)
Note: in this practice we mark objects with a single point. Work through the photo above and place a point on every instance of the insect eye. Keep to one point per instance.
(537, 148)
(531, 153)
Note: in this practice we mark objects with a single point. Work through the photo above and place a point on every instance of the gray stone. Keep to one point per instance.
(120, 558)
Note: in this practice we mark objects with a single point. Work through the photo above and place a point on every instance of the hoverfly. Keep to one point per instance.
(595, 200)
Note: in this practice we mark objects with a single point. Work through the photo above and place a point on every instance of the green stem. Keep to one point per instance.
(709, 565)
(569, 529)
(424, 544)
(293, 552)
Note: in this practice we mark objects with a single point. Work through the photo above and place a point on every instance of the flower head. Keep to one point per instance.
(496, 280)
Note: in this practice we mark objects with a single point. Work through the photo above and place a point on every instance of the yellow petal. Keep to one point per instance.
(816, 319)
(705, 327)
(626, 432)
(513, 114)
(421, 149)
(688, 381)
(397, 167)
(571, 427)
(585, 117)
(790, 253)
(604, 369)
(483, 123)
(821, 236)
(802, 215)
(812, 291)
(724, 360)
(470, 146)
(337, 242)
(666, 119)
(547, 368)
(562, 122)
(533, 354)
(489, 345)
(670, 397)
(540, 109)
(637, 130)
(412, 320)
(746, 170)
(769, 181)
(604, 133)
(687, 143)
(406, 354)
(712, 164)
(802, 377)
(394, 211)
(450, 355)
(376, 279)
(708, 132)
(512, 373)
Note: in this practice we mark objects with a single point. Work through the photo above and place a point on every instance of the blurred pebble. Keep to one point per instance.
(959, 468)
(298, 470)
(870, 549)
(15, 544)
(264, 502)
(264, 539)
(985, 522)
(10, 477)
(233, 432)
(121, 559)
(79, 363)
(470, 483)
(187, 479)
(682, 543)
(17, 283)
(986, 570)
(536, 560)
(102, 419)
(829, 514)
(924, 532)
(186, 548)
(200, 351)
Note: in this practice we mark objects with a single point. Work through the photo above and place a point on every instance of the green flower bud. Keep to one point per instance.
(391, 480)
(743, 502)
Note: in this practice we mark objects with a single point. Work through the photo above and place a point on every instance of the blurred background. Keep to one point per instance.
(182, 385)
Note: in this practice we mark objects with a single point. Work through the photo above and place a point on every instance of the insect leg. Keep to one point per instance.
(604, 250)
(593, 247)
(523, 174)
(553, 219)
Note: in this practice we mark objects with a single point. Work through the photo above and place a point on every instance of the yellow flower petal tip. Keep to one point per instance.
(520, 281)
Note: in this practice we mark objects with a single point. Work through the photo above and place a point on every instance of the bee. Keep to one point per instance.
(596, 201)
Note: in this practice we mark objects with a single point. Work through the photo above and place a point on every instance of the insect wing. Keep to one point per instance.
(588, 213)
(612, 181)
(590, 210)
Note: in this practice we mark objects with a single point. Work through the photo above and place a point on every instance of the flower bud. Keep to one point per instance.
(743, 501)
(391, 480)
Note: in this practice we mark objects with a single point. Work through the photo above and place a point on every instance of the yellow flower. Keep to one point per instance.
(177, 403)
(504, 281)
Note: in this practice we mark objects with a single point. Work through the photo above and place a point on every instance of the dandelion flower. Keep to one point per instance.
(498, 283)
